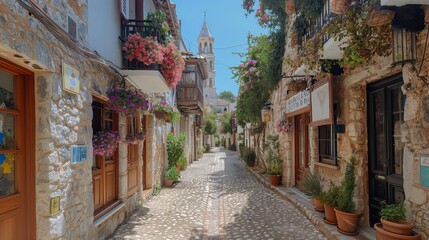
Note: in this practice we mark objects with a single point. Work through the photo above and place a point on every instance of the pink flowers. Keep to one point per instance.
(248, 6)
(263, 17)
(248, 73)
(146, 50)
(126, 101)
(284, 126)
(173, 65)
(105, 143)
(149, 51)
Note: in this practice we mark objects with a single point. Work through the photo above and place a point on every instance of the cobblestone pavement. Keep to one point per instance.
(217, 199)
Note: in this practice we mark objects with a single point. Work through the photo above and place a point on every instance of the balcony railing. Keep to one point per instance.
(144, 28)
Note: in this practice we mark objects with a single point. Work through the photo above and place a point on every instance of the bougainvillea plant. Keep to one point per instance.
(173, 65)
(126, 101)
(168, 109)
(105, 143)
(247, 73)
(284, 126)
(143, 49)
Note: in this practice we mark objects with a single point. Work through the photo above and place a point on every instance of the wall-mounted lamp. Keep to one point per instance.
(266, 112)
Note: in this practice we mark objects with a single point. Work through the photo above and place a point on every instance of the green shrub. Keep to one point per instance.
(156, 190)
(310, 185)
(249, 156)
(200, 152)
(207, 148)
(274, 162)
(175, 148)
(330, 197)
(233, 147)
(182, 162)
(393, 212)
(347, 188)
(172, 174)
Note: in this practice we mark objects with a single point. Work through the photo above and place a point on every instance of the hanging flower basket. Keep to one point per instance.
(126, 101)
(166, 112)
(143, 49)
(105, 143)
(377, 18)
(284, 126)
(339, 6)
(290, 7)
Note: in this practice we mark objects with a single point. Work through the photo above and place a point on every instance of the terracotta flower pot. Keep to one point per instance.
(168, 183)
(275, 179)
(347, 222)
(159, 114)
(339, 6)
(178, 168)
(401, 227)
(318, 205)
(330, 216)
(382, 234)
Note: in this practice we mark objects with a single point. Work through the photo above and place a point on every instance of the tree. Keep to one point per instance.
(227, 95)
(210, 127)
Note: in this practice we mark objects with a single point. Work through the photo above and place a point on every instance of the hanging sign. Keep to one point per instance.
(71, 81)
(424, 171)
(298, 103)
(322, 103)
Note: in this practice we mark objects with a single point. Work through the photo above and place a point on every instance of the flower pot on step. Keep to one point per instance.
(318, 205)
(347, 222)
(382, 234)
(168, 183)
(275, 179)
(330, 217)
(401, 227)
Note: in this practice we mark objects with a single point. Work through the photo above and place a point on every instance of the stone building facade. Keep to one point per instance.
(44, 194)
(360, 99)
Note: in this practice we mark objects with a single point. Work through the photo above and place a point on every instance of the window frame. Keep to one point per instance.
(332, 145)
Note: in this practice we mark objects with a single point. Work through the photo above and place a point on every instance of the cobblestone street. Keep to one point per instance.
(217, 199)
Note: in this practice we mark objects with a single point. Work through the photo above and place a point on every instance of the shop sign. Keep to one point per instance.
(298, 102)
(424, 171)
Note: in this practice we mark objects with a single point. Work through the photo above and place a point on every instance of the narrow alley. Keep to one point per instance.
(217, 198)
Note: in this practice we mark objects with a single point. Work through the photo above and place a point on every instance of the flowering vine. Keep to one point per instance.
(247, 73)
(146, 50)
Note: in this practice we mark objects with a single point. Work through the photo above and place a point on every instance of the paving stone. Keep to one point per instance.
(217, 199)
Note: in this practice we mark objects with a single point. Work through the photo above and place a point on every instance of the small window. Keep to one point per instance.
(72, 27)
(327, 144)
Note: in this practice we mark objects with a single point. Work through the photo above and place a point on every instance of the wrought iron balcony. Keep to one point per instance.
(190, 91)
(145, 29)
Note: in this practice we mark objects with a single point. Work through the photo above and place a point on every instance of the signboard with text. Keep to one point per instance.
(298, 103)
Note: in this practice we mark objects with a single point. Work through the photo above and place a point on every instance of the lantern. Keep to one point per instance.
(266, 112)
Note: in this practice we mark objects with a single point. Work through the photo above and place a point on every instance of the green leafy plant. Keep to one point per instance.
(393, 212)
(175, 148)
(156, 190)
(182, 162)
(200, 152)
(347, 188)
(330, 197)
(158, 19)
(207, 148)
(274, 162)
(310, 184)
(172, 174)
(248, 155)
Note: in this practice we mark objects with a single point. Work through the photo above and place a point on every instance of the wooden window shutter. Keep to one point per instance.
(125, 8)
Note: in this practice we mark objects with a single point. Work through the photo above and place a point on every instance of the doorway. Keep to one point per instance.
(144, 155)
(17, 160)
(385, 150)
(301, 145)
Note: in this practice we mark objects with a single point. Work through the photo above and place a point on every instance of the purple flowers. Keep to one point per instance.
(126, 101)
(105, 143)
(283, 126)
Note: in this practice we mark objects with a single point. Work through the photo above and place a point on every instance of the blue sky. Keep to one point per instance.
(229, 27)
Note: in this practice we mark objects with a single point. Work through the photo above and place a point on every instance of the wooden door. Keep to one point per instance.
(17, 205)
(133, 157)
(145, 160)
(301, 145)
(385, 116)
(104, 171)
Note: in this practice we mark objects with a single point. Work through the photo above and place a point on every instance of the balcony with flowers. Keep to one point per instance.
(151, 62)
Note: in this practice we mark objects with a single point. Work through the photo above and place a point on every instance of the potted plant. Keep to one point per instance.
(249, 157)
(126, 101)
(329, 199)
(165, 111)
(105, 143)
(172, 65)
(143, 49)
(310, 184)
(393, 223)
(175, 148)
(181, 163)
(274, 162)
(346, 210)
(171, 175)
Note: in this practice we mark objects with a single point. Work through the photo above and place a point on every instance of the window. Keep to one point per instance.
(211, 48)
(327, 144)
(104, 170)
